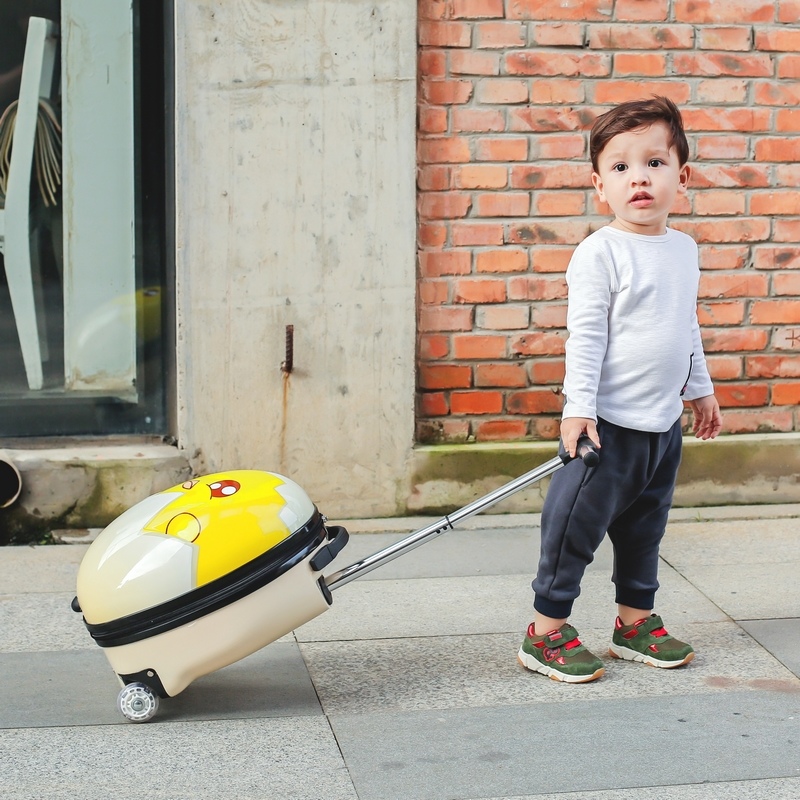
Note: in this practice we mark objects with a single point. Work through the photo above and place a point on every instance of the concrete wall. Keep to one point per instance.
(295, 166)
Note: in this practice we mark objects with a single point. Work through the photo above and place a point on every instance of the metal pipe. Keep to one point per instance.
(10, 480)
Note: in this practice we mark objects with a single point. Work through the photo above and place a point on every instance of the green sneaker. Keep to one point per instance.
(648, 641)
(559, 655)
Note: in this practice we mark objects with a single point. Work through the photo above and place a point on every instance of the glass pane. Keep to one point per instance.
(82, 224)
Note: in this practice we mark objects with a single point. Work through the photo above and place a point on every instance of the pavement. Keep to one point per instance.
(408, 688)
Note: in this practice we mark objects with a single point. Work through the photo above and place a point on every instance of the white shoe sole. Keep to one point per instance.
(617, 651)
(530, 663)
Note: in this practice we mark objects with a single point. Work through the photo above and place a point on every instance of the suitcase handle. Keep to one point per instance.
(586, 452)
(338, 537)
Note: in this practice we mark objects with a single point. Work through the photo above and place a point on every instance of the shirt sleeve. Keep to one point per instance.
(699, 383)
(590, 281)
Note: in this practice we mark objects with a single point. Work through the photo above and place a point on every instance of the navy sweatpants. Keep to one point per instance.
(628, 495)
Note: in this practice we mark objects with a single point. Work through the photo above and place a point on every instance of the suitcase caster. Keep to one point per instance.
(137, 702)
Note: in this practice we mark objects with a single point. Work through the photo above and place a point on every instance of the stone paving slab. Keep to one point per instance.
(587, 746)
(781, 637)
(245, 759)
(42, 689)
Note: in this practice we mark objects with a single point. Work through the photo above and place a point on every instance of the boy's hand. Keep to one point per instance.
(572, 428)
(707, 417)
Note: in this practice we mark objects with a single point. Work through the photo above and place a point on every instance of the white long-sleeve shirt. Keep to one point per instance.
(634, 351)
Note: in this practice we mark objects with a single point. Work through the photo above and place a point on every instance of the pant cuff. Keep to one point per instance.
(635, 598)
(557, 609)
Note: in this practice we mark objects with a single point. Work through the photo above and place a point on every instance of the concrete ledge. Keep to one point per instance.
(85, 486)
(731, 470)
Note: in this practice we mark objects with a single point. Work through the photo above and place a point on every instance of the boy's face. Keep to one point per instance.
(639, 175)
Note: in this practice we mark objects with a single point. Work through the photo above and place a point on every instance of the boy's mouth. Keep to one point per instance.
(641, 199)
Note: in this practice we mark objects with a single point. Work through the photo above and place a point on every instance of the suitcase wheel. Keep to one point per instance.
(137, 702)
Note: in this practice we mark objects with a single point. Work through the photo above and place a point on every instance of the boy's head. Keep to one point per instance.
(638, 114)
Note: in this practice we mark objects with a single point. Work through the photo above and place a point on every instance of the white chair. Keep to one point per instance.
(15, 241)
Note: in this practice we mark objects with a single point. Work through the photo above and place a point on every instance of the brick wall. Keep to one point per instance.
(507, 92)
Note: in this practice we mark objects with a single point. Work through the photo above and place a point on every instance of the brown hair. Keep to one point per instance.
(638, 114)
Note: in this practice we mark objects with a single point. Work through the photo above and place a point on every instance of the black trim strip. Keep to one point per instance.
(215, 595)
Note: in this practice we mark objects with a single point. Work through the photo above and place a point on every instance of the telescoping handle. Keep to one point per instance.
(586, 452)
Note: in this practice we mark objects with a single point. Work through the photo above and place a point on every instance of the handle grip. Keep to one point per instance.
(586, 452)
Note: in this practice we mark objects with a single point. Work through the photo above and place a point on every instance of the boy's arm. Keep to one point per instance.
(707, 417)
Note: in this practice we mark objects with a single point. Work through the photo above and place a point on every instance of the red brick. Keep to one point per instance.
(543, 371)
(772, 366)
(715, 203)
(443, 205)
(498, 430)
(559, 204)
(477, 9)
(480, 290)
(445, 376)
(552, 176)
(722, 230)
(431, 234)
(720, 313)
(549, 316)
(503, 91)
(721, 148)
(736, 12)
(551, 259)
(786, 230)
(557, 34)
(775, 312)
(614, 92)
(640, 10)
(558, 92)
(777, 149)
(789, 67)
(554, 231)
(724, 368)
(560, 146)
(725, 39)
(435, 263)
(787, 121)
(475, 346)
(445, 318)
(432, 63)
(503, 318)
(545, 428)
(534, 62)
(786, 283)
(739, 284)
(501, 375)
(641, 37)
(784, 338)
(505, 149)
(780, 202)
(779, 39)
(434, 293)
(721, 91)
(499, 35)
(435, 9)
(443, 93)
(776, 258)
(717, 176)
(432, 119)
(741, 394)
(768, 93)
(477, 120)
(760, 421)
(445, 34)
(725, 257)
(486, 402)
(505, 260)
(451, 149)
(471, 62)
(722, 340)
(503, 204)
(434, 404)
(535, 401)
(434, 178)
(581, 10)
(433, 347)
(530, 287)
(786, 394)
(788, 11)
(727, 119)
(471, 234)
(539, 344)
(649, 64)
(481, 176)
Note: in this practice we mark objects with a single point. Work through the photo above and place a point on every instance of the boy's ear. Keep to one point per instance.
(683, 178)
(597, 182)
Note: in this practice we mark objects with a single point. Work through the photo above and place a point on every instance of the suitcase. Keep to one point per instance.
(197, 577)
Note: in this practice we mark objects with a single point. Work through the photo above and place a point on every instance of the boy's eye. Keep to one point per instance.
(654, 162)
(619, 168)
